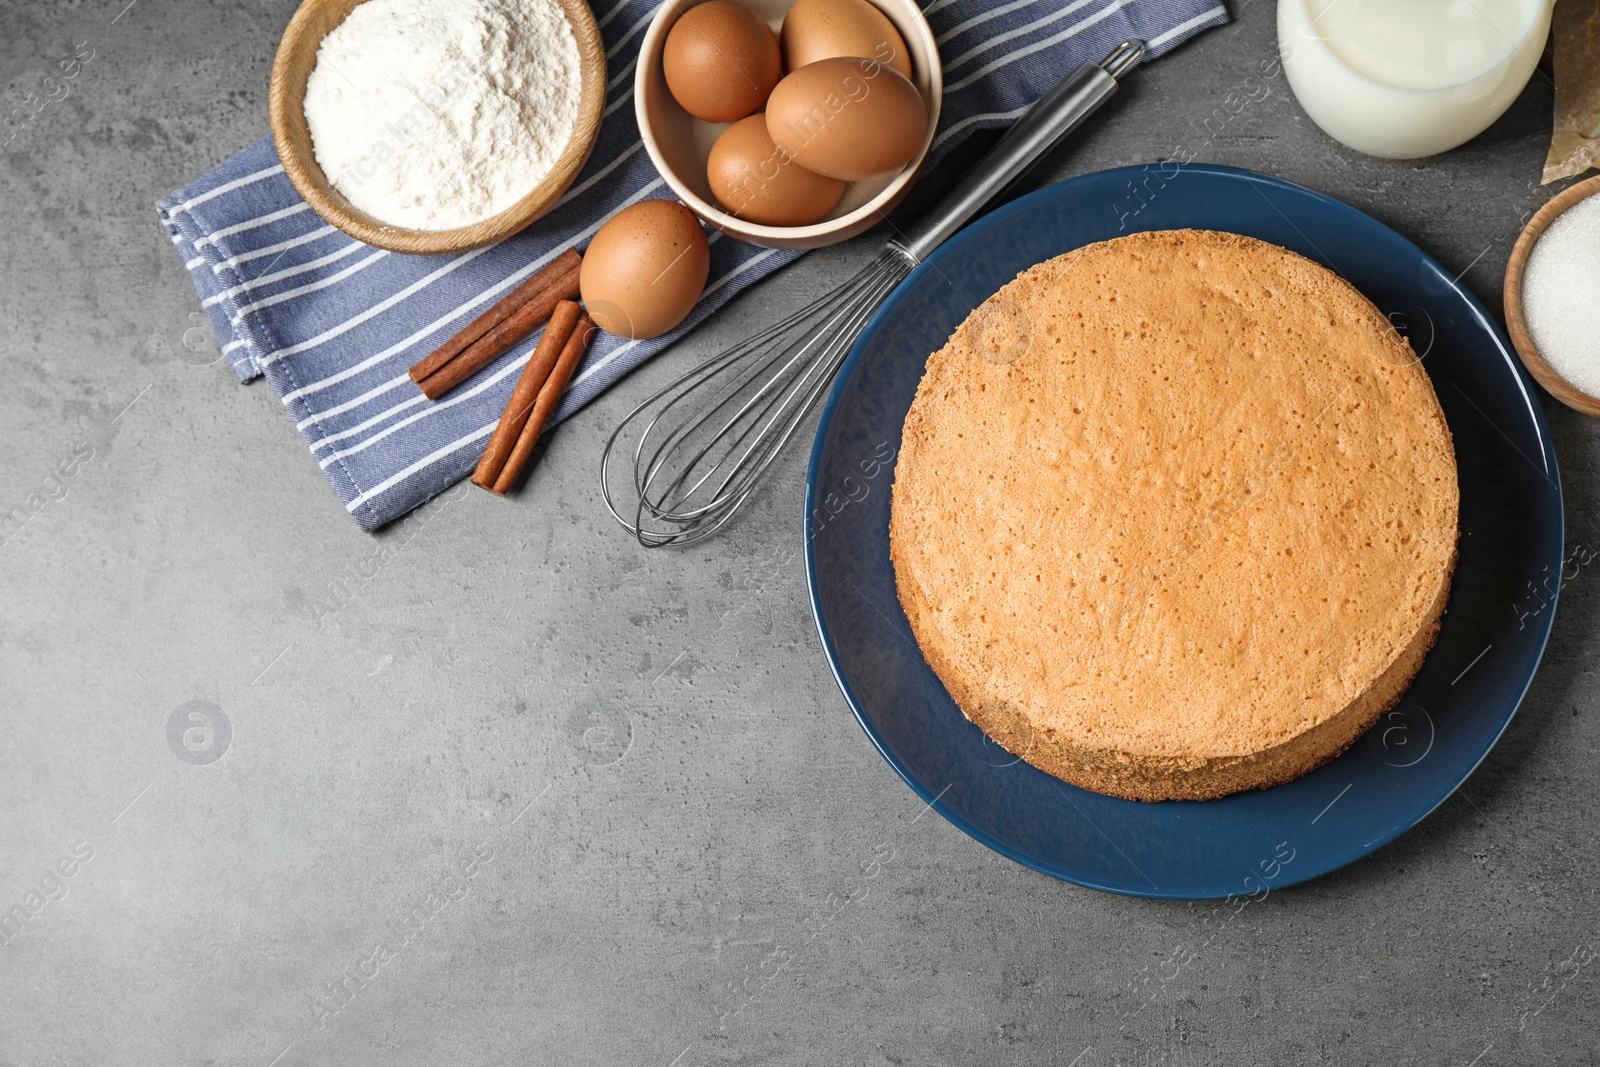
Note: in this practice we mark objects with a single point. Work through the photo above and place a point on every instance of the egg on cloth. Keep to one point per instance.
(755, 180)
(721, 60)
(824, 29)
(644, 269)
(847, 118)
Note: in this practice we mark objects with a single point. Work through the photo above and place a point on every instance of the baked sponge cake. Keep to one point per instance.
(1175, 515)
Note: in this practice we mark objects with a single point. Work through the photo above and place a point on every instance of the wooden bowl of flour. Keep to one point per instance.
(297, 56)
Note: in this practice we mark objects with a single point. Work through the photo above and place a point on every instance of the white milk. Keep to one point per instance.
(1409, 78)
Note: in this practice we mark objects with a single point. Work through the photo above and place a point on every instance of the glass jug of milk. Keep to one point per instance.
(1409, 78)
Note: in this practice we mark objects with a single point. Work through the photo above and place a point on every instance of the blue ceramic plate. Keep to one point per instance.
(1501, 603)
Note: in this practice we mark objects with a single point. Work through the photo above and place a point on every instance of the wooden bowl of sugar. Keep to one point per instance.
(1551, 309)
(425, 220)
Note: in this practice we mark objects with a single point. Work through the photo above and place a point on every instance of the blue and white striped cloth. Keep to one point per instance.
(334, 324)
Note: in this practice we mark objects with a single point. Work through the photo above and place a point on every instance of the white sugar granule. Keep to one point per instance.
(433, 114)
(1561, 295)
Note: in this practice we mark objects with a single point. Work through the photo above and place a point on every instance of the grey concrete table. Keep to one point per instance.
(592, 799)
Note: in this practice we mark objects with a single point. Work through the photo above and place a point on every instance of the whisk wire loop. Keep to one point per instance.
(704, 441)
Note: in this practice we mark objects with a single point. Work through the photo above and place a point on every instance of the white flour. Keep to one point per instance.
(433, 114)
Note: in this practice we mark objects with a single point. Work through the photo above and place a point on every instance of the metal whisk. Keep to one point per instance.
(704, 441)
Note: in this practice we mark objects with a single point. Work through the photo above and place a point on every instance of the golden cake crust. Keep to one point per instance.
(1175, 515)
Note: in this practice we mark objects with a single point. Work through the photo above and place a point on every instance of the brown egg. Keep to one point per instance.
(644, 269)
(847, 118)
(753, 179)
(721, 60)
(823, 29)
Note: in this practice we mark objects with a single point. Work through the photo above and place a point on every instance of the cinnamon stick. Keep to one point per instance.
(562, 322)
(545, 406)
(491, 335)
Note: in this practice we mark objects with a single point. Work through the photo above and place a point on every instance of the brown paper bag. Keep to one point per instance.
(1575, 140)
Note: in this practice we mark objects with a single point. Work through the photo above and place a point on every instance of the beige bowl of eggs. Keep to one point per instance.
(852, 91)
